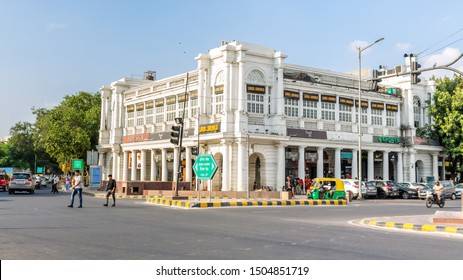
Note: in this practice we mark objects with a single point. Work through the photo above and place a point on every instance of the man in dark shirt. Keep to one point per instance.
(110, 190)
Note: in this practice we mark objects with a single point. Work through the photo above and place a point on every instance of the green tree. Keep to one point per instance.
(22, 145)
(447, 111)
(5, 154)
(70, 129)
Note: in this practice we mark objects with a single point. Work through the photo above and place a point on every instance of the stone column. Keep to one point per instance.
(435, 166)
(386, 165)
(242, 179)
(164, 164)
(175, 169)
(153, 166)
(337, 163)
(143, 166)
(443, 170)
(188, 165)
(319, 162)
(400, 167)
(101, 159)
(114, 170)
(133, 174)
(281, 164)
(301, 163)
(125, 168)
(371, 165)
(225, 167)
(412, 167)
(355, 173)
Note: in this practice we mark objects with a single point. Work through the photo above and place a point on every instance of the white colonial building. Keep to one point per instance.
(263, 119)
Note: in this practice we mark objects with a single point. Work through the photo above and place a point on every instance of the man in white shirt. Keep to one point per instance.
(76, 188)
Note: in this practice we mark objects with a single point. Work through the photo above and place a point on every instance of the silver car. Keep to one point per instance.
(21, 182)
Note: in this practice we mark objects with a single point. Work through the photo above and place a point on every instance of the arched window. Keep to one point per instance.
(255, 91)
(218, 93)
(417, 111)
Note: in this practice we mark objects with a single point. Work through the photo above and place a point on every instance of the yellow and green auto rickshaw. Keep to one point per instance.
(326, 188)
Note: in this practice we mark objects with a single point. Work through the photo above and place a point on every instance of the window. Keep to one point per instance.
(255, 103)
(159, 114)
(130, 113)
(180, 109)
(149, 116)
(376, 117)
(345, 113)
(328, 111)
(310, 109)
(171, 112)
(391, 117)
(417, 111)
(292, 107)
(364, 115)
(194, 108)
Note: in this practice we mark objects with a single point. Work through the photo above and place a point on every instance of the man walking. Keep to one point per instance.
(76, 188)
(110, 190)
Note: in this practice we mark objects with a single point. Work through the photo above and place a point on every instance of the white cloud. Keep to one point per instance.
(353, 46)
(446, 56)
(56, 26)
(403, 46)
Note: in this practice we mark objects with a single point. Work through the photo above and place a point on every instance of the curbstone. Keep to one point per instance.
(413, 227)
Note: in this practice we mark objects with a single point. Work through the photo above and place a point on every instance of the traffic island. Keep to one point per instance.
(411, 226)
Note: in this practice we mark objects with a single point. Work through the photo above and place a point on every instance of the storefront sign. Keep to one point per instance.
(311, 96)
(392, 107)
(171, 100)
(130, 108)
(166, 135)
(329, 98)
(387, 140)
(255, 89)
(209, 128)
(378, 156)
(423, 141)
(149, 104)
(314, 134)
(135, 138)
(377, 106)
(346, 101)
(194, 95)
(291, 94)
(140, 106)
(159, 102)
(181, 98)
(364, 104)
(346, 155)
(218, 89)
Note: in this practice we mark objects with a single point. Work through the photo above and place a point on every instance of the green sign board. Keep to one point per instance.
(205, 167)
(78, 164)
(40, 170)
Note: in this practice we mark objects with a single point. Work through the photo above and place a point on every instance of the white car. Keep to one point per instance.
(458, 189)
(351, 187)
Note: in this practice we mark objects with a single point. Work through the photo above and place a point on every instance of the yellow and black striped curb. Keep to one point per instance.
(196, 204)
(413, 227)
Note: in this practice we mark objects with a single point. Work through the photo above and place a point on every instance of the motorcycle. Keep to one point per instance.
(431, 198)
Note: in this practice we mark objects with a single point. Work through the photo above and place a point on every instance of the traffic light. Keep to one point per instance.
(414, 73)
(194, 150)
(176, 134)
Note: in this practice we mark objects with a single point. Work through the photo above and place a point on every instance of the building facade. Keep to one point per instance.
(263, 119)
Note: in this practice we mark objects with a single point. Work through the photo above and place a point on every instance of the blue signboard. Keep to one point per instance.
(95, 176)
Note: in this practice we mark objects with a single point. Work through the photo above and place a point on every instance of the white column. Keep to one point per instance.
(188, 171)
(175, 164)
(301, 163)
(164, 165)
(242, 179)
(143, 166)
(101, 159)
(153, 166)
(125, 167)
(133, 174)
(386, 165)
(337, 163)
(355, 173)
(435, 166)
(371, 165)
(412, 167)
(279, 93)
(400, 167)
(320, 162)
(225, 167)
(443, 169)
(281, 164)
(114, 169)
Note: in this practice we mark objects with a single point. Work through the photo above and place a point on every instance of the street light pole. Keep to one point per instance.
(359, 121)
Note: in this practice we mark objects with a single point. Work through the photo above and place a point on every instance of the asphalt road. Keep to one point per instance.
(40, 227)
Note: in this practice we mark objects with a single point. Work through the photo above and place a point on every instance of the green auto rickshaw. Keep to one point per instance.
(326, 188)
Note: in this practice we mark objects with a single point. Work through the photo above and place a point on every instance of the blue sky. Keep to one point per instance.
(52, 48)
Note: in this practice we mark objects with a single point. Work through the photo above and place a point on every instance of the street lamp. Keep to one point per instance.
(359, 121)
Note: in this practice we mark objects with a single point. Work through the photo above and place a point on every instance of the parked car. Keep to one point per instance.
(409, 190)
(21, 182)
(369, 190)
(449, 188)
(4, 181)
(386, 188)
(351, 187)
(458, 189)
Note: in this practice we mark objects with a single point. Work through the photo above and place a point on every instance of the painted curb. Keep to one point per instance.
(190, 204)
(413, 227)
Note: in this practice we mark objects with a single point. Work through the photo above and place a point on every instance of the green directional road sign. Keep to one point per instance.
(205, 167)
(78, 164)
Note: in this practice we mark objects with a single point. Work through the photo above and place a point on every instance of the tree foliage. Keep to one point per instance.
(70, 129)
(447, 111)
(21, 145)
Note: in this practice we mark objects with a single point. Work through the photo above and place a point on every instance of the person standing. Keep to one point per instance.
(55, 184)
(110, 190)
(76, 189)
(68, 182)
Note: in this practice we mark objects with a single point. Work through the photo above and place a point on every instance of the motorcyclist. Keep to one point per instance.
(438, 189)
